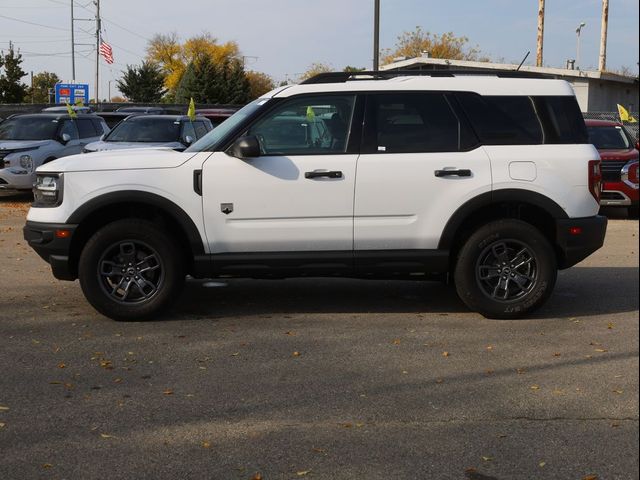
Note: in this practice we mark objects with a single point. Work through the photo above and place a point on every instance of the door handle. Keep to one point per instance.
(323, 173)
(452, 173)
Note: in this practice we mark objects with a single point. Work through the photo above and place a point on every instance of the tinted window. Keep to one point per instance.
(201, 129)
(188, 131)
(99, 125)
(311, 125)
(503, 120)
(86, 128)
(563, 120)
(28, 128)
(146, 129)
(69, 127)
(413, 122)
(608, 138)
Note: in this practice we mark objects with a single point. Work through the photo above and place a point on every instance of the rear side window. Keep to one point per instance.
(86, 128)
(503, 120)
(412, 123)
(99, 125)
(562, 119)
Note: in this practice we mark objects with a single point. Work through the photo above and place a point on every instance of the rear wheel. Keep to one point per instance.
(506, 269)
(129, 270)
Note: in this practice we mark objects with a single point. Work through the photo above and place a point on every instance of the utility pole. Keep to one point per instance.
(97, 2)
(376, 35)
(73, 48)
(32, 89)
(540, 33)
(602, 60)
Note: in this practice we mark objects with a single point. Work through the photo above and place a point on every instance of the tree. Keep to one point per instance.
(173, 57)
(11, 89)
(447, 45)
(144, 84)
(42, 83)
(259, 84)
(208, 82)
(314, 69)
(349, 68)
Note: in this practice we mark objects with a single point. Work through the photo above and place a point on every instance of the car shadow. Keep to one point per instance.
(581, 291)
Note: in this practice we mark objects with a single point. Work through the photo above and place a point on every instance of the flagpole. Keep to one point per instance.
(97, 50)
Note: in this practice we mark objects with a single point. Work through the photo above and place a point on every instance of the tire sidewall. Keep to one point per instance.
(136, 230)
(465, 270)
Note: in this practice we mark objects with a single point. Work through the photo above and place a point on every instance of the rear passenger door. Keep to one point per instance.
(419, 163)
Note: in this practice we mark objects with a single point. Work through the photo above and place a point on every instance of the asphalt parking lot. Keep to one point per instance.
(319, 379)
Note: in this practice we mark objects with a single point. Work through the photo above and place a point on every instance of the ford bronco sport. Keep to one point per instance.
(488, 178)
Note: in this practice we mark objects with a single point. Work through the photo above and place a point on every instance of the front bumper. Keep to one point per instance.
(618, 194)
(44, 238)
(12, 182)
(577, 238)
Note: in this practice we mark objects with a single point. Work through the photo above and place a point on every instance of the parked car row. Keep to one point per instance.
(30, 140)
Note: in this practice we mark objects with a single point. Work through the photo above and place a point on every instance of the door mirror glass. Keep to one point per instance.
(245, 147)
(188, 140)
(65, 137)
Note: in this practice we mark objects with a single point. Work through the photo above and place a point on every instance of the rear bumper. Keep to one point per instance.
(51, 247)
(577, 238)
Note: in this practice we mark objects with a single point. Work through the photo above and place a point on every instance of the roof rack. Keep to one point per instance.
(341, 77)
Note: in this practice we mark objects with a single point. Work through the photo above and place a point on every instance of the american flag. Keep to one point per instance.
(107, 52)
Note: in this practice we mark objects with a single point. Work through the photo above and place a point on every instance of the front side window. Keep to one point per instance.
(86, 128)
(188, 131)
(313, 125)
(69, 127)
(413, 123)
(145, 129)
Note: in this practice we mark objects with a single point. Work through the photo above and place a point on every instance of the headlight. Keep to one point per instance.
(47, 191)
(26, 162)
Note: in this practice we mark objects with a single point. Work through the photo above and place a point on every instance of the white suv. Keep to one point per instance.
(488, 178)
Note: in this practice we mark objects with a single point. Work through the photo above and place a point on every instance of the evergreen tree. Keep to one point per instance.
(143, 84)
(11, 89)
(238, 84)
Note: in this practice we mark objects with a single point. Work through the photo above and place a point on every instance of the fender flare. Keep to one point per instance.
(134, 196)
(511, 195)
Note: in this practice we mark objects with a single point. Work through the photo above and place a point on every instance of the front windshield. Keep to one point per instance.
(28, 128)
(211, 140)
(146, 129)
(608, 138)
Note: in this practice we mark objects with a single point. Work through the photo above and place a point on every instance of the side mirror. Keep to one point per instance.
(188, 140)
(245, 147)
(65, 137)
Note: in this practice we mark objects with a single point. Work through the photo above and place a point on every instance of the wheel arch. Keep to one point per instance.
(113, 206)
(531, 207)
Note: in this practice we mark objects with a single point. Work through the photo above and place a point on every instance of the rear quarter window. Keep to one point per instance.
(562, 119)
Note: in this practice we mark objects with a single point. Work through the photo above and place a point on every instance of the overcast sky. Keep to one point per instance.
(283, 37)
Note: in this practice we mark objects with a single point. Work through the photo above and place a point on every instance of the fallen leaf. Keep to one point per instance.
(557, 354)
(487, 459)
(61, 365)
(235, 354)
(557, 391)
(610, 325)
(296, 354)
(3, 409)
(542, 464)
(615, 424)
(502, 435)
(106, 435)
(396, 341)
(257, 476)
(445, 354)
(206, 444)
(302, 473)
(47, 465)
(520, 371)
(594, 343)
(319, 450)
(619, 392)
(489, 347)
(168, 391)
(2, 425)
(117, 380)
(470, 470)
(489, 372)
(55, 382)
(404, 372)
(291, 334)
(534, 387)
(590, 477)
(601, 350)
(439, 380)
(346, 425)
(359, 425)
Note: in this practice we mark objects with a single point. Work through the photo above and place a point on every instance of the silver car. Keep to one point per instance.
(153, 131)
(28, 141)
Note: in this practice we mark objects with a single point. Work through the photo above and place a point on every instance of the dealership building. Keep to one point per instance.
(596, 91)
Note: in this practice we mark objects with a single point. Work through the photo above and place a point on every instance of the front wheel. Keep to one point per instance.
(505, 269)
(129, 270)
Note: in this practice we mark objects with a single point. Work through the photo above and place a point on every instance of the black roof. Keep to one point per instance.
(55, 115)
(341, 77)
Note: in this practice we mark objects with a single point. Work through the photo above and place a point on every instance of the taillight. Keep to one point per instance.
(595, 179)
(629, 174)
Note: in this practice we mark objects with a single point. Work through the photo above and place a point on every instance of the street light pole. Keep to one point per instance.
(376, 35)
(578, 30)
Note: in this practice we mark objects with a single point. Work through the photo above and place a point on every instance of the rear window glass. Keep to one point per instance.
(503, 120)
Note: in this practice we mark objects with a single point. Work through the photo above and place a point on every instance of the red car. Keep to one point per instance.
(619, 154)
(216, 115)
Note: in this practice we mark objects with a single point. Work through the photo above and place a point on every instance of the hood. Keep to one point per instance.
(118, 160)
(102, 145)
(23, 144)
(618, 155)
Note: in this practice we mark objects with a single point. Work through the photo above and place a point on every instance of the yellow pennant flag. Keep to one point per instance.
(191, 112)
(625, 116)
(71, 111)
(311, 115)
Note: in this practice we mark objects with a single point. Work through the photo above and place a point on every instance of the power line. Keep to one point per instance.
(33, 23)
